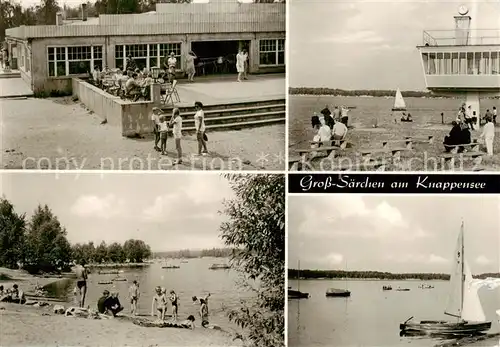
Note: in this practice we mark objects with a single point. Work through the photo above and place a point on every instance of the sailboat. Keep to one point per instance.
(297, 294)
(399, 102)
(463, 303)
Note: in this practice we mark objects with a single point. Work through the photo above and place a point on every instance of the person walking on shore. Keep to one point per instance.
(81, 282)
(134, 297)
(160, 301)
(240, 64)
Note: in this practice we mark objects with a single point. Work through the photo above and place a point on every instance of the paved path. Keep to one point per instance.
(14, 87)
(57, 133)
(230, 91)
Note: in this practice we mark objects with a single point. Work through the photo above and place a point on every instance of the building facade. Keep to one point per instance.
(49, 56)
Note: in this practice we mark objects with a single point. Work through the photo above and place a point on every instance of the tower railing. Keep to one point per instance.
(449, 37)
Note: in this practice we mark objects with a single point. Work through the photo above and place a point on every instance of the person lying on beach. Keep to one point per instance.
(160, 301)
(134, 297)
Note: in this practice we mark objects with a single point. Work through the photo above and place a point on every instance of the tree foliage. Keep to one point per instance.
(12, 235)
(256, 227)
(47, 248)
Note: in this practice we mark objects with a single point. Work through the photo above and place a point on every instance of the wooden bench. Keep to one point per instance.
(340, 143)
(330, 150)
(449, 159)
(473, 146)
(408, 142)
(373, 165)
(429, 139)
(395, 153)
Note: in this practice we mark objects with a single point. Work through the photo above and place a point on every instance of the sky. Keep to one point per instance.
(167, 211)
(75, 3)
(392, 233)
(363, 44)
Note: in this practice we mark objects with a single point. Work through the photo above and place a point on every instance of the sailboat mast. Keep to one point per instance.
(462, 274)
(298, 279)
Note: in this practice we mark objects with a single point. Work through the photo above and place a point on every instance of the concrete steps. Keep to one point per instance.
(235, 116)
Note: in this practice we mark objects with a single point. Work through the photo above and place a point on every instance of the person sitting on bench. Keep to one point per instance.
(454, 136)
(339, 131)
(132, 87)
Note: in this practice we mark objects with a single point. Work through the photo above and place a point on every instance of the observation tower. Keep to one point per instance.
(462, 62)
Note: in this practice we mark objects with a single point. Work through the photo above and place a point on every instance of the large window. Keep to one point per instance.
(272, 52)
(73, 60)
(147, 55)
(462, 63)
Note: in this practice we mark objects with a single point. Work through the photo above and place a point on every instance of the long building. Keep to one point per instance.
(49, 56)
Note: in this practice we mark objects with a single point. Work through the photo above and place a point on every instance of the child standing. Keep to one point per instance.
(134, 297)
(173, 301)
(489, 135)
(176, 122)
(163, 134)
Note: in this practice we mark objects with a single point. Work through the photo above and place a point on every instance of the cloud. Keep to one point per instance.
(162, 207)
(359, 37)
(418, 258)
(95, 206)
(482, 260)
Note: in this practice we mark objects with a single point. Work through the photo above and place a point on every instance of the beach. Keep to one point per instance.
(24, 325)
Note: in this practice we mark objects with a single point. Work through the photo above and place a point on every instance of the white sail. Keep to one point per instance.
(472, 309)
(399, 102)
(455, 299)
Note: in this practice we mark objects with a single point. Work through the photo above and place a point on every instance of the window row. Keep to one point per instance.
(462, 63)
(147, 55)
(73, 60)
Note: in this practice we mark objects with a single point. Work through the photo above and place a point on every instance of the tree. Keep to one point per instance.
(12, 235)
(115, 253)
(101, 253)
(136, 251)
(48, 11)
(47, 246)
(256, 227)
(88, 250)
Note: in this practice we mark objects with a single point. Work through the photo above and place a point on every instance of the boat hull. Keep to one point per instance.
(340, 294)
(446, 328)
(295, 294)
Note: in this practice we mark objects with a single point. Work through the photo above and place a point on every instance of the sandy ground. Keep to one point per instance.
(30, 326)
(22, 325)
(59, 134)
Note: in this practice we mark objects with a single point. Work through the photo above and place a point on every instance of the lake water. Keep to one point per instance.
(423, 110)
(370, 317)
(191, 279)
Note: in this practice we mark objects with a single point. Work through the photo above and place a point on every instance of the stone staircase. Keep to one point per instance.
(235, 116)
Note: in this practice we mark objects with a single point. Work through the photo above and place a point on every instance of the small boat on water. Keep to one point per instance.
(425, 286)
(108, 282)
(333, 292)
(296, 294)
(386, 288)
(184, 262)
(119, 279)
(403, 289)
(463, 303)
(171, 267)
(399, 102)
(219, 267)
(108, 272)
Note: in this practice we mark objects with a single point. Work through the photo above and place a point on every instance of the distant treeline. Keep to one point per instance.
(187, 253)
(342, 92)
(316, 274)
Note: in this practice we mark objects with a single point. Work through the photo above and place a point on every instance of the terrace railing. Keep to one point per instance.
(449, 37)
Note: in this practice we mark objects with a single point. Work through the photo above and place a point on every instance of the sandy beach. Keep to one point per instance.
(23, 325)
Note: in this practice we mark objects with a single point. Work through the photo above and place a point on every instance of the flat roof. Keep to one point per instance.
(182, 19)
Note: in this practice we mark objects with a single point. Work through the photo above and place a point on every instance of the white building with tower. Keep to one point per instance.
(462, 62)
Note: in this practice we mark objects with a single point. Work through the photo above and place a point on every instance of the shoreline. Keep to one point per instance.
(17, 322)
